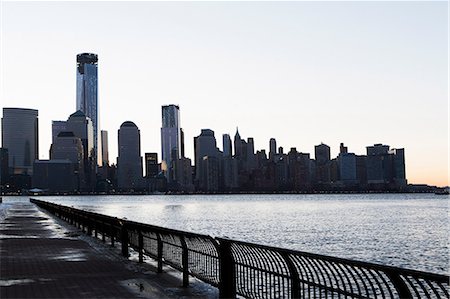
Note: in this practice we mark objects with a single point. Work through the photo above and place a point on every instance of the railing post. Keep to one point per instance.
(185, 262)
(160, 253)
(89, 227)
(112, 233)
(399, 284)
(294, 276)
(227, 279)
(103, 232)
(141, 247)
(124, 239)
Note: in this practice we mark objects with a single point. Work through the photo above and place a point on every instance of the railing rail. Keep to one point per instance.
(251, 270)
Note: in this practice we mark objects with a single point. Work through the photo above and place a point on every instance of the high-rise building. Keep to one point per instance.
(129, 162)
(170, 138)
(272, 149)
(69, 147)
(205, 145)
(57, 127)
(105, 151)
(4, 165)
(183, 175)
(151, 165)
(322, 156)
(377, 163)
(20, 137)
(347, 168)
(386, 166)
(87, 94)
(81, 126)
(398, 161)
(251, 158)
(226, 144)
(237, 144)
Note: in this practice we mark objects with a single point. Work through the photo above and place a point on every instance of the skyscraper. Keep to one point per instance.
(20, 137)
(81, 126)
(226, 144)
(129, 162)
(151, 165)
(87, 94)
(323, 163)
(273, 149)
(105, 151)
(170, 138)
(58, 126)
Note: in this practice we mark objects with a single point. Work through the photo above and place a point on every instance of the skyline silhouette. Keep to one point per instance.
(304, 73)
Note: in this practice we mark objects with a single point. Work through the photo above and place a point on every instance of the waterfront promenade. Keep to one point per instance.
(42, 257)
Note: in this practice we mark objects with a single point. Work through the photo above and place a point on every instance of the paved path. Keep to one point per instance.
(42, 257)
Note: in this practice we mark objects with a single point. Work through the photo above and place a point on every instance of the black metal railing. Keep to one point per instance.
(255, 271)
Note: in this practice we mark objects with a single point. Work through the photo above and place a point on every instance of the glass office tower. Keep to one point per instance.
(20, 137)
(87, 94)
(170, 138)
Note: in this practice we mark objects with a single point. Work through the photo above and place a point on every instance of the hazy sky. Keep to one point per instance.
(302, 72)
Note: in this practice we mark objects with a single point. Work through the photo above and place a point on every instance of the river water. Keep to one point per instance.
(404, 230)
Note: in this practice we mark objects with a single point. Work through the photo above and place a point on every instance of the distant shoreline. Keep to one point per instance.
(229, 193)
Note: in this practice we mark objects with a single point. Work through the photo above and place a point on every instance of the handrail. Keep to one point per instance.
(253, 270)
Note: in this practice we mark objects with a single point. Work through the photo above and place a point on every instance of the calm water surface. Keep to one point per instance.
(405, 230)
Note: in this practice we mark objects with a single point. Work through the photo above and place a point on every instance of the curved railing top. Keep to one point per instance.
(404, 271)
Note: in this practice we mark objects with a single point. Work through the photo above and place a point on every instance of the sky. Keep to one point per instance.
(358, 72)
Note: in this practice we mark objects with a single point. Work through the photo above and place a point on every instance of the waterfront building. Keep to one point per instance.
(398, 161)
(170, 138)
(183, 175)
(151, 165)
(386, 168)
(57, 127)
(237, 144)
(204, 145)
(229, 174)
(129, 162)
(56, 175)
(87, 95)
(20, 136)
(361, 170)
(272, 149)
(105, 151)
(209, 174)
(347, 168)
(181, 142)
(67, 146)
(334, 171)
(82, 127)
(378, 166)
(226, 145)
(322, 157)
(251, 158)
(4, 165)
(282, 172)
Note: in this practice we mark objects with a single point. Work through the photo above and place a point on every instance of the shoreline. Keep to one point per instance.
(435, 191)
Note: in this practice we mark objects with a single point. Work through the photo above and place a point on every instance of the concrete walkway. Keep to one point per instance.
(42, 257)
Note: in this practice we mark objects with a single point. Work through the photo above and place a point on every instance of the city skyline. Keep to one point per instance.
(247, 100)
